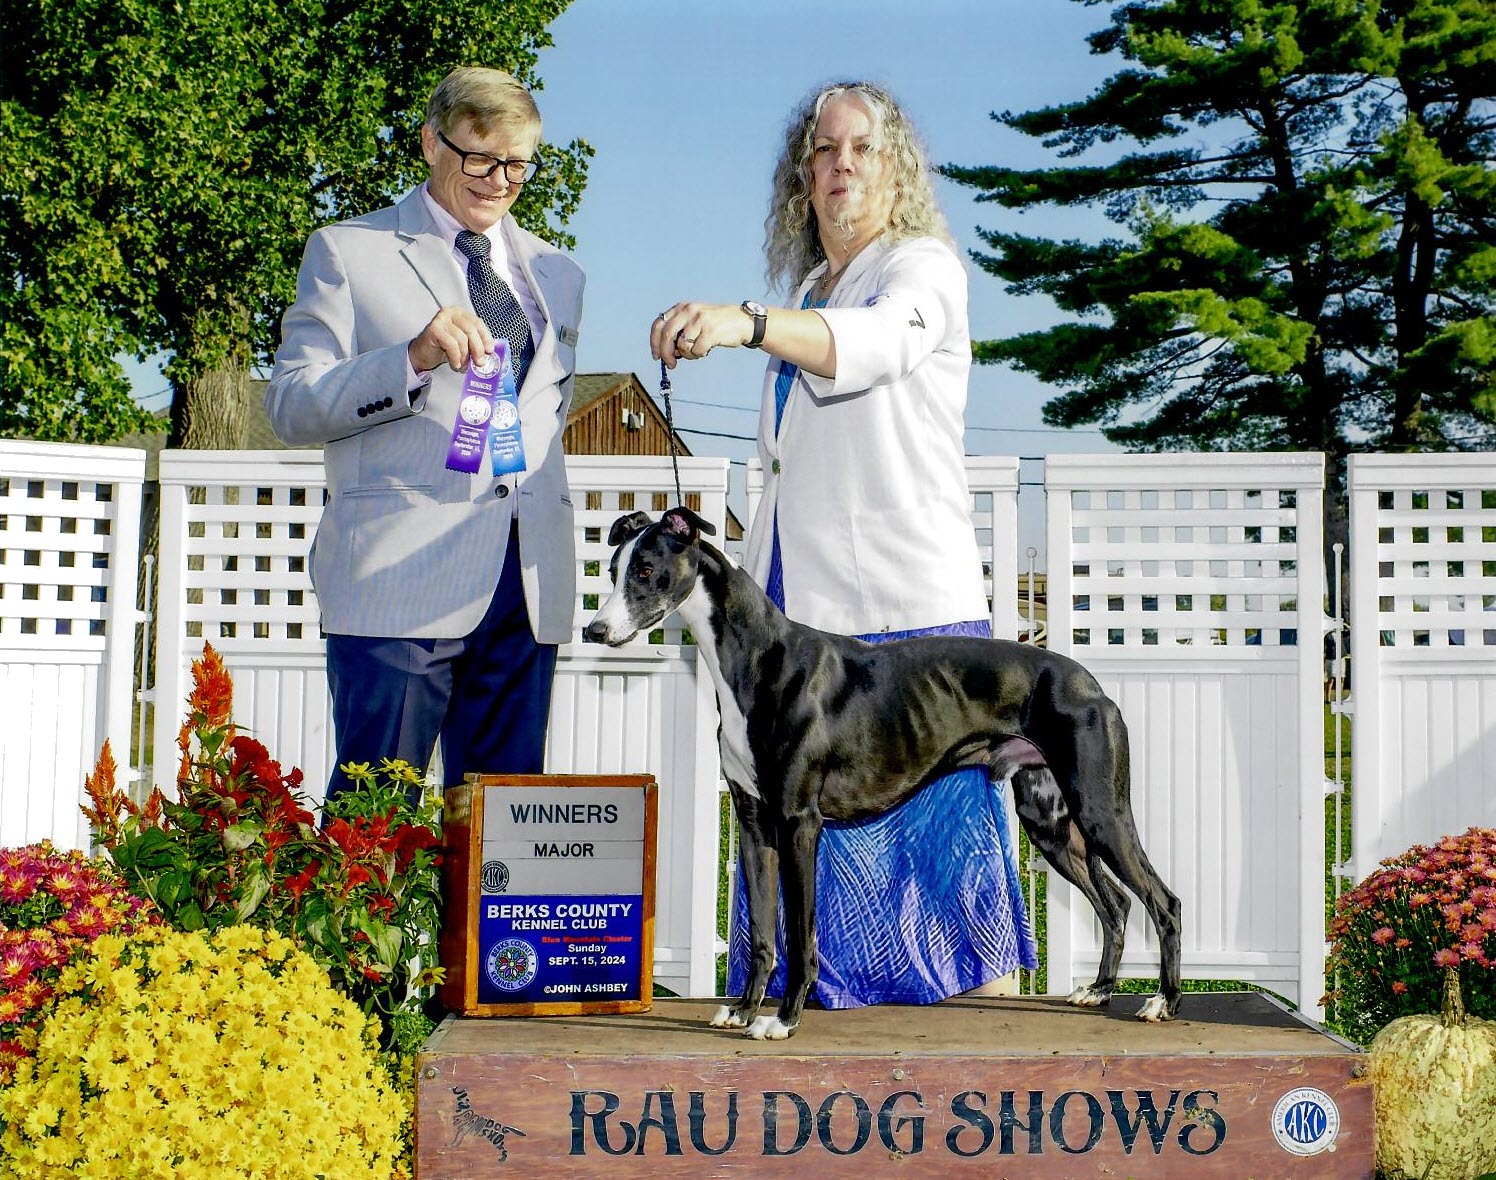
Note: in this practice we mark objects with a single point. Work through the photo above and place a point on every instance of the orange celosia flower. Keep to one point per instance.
(212, 691)
(110, 804)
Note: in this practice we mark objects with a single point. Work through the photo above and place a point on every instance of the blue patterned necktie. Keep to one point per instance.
(496, 304)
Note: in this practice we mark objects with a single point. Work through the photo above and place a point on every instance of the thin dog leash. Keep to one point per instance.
(665, 387)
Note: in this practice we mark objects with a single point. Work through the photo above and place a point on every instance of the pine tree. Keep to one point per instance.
(1306, 204)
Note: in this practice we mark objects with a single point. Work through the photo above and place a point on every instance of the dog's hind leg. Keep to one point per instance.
(1104, 814)
(1052, 829)
(1122, 852)
(760, 877)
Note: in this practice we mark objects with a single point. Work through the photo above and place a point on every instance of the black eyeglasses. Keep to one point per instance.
(480, 165)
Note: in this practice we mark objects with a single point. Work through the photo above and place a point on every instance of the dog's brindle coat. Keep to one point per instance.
(817, 726)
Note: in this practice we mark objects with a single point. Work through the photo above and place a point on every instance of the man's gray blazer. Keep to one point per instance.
(407, 548)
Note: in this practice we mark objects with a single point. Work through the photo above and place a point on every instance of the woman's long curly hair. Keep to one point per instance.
(792, 243)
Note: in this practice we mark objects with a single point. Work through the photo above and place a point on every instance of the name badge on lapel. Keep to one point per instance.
(569, 337)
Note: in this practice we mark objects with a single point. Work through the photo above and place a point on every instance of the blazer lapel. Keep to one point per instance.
(428, 254)
(546, 370)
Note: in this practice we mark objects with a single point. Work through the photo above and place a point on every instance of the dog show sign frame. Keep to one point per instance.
(550, 894)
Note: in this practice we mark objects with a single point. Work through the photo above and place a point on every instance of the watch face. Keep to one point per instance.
(753, 308)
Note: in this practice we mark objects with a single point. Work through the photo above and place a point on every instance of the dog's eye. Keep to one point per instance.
(644, 572)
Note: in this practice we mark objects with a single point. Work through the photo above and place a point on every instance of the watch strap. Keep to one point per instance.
(760, 322)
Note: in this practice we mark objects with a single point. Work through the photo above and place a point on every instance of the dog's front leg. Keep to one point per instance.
(799, 837)
(760, 877)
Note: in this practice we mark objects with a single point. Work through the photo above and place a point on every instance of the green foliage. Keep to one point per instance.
(1313, 271)
(161, 165)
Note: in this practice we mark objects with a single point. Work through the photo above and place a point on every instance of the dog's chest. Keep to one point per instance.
(737, 757)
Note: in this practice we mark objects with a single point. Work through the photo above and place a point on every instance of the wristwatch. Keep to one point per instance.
(760, 316)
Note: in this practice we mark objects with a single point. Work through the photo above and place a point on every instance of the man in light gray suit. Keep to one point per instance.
(445, 567)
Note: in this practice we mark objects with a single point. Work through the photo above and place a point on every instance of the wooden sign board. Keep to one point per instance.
(1011, 1088)
(549, 883)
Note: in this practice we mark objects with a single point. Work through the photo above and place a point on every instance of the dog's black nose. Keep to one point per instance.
(595, 632)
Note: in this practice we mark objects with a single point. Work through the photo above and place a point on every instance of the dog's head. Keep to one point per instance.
(653, 571)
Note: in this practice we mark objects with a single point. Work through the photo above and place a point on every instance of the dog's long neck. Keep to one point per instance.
(736, 628)
(727, 605)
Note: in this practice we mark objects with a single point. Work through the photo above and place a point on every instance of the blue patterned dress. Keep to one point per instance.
(915, 905)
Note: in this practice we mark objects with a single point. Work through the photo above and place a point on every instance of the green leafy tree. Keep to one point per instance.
(1306, 205)
(162, 163)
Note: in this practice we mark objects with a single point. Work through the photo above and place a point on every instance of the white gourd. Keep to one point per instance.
(1435, 1092)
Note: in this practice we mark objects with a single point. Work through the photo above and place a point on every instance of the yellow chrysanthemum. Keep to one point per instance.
(182, 1055)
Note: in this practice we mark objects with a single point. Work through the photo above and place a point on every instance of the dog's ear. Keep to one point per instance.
(684, 525)
(628, 526)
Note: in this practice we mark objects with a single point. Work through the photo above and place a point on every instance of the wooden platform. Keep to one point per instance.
(1007, 1088)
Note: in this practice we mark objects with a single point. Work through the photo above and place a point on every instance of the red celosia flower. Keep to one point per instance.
(299, 884)
(381, 905)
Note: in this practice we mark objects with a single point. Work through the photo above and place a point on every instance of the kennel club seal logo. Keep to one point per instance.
(495, 876)
(511, 964)
(1306, 1121)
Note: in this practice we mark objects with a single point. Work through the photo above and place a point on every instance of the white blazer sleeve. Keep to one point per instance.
(918, 293)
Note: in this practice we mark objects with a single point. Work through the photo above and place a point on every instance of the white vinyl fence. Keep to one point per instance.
(1192, 585)
(236, 529)
(1423, 649)
(69, 551)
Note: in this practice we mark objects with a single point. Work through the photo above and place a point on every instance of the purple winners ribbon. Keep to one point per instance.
(482, 385)
(506, 446)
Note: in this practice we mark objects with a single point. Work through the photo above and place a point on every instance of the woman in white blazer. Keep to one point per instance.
(865, 528)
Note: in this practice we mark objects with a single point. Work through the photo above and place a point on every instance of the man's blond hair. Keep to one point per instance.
(492, 99)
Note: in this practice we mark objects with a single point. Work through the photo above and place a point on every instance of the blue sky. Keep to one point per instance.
(685, 100)
(685, 104)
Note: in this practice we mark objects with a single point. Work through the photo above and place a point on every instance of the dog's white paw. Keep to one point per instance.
(1154, 1010)
(725, 1017)
(768, 1028)
(1088, 997)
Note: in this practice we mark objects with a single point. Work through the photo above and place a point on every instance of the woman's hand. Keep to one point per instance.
(688, 331)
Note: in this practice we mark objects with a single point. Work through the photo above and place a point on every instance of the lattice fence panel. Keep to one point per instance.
(69, 549)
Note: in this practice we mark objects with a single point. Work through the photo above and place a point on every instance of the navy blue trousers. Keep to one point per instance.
(485, 696)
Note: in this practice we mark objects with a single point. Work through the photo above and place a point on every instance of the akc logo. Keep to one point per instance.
(495, 876)
(511, 964)
(1306, 1121)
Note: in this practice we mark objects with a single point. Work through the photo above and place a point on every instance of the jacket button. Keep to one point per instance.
(501, 491)
(363, 411)
(774, 466)
(388, 402)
